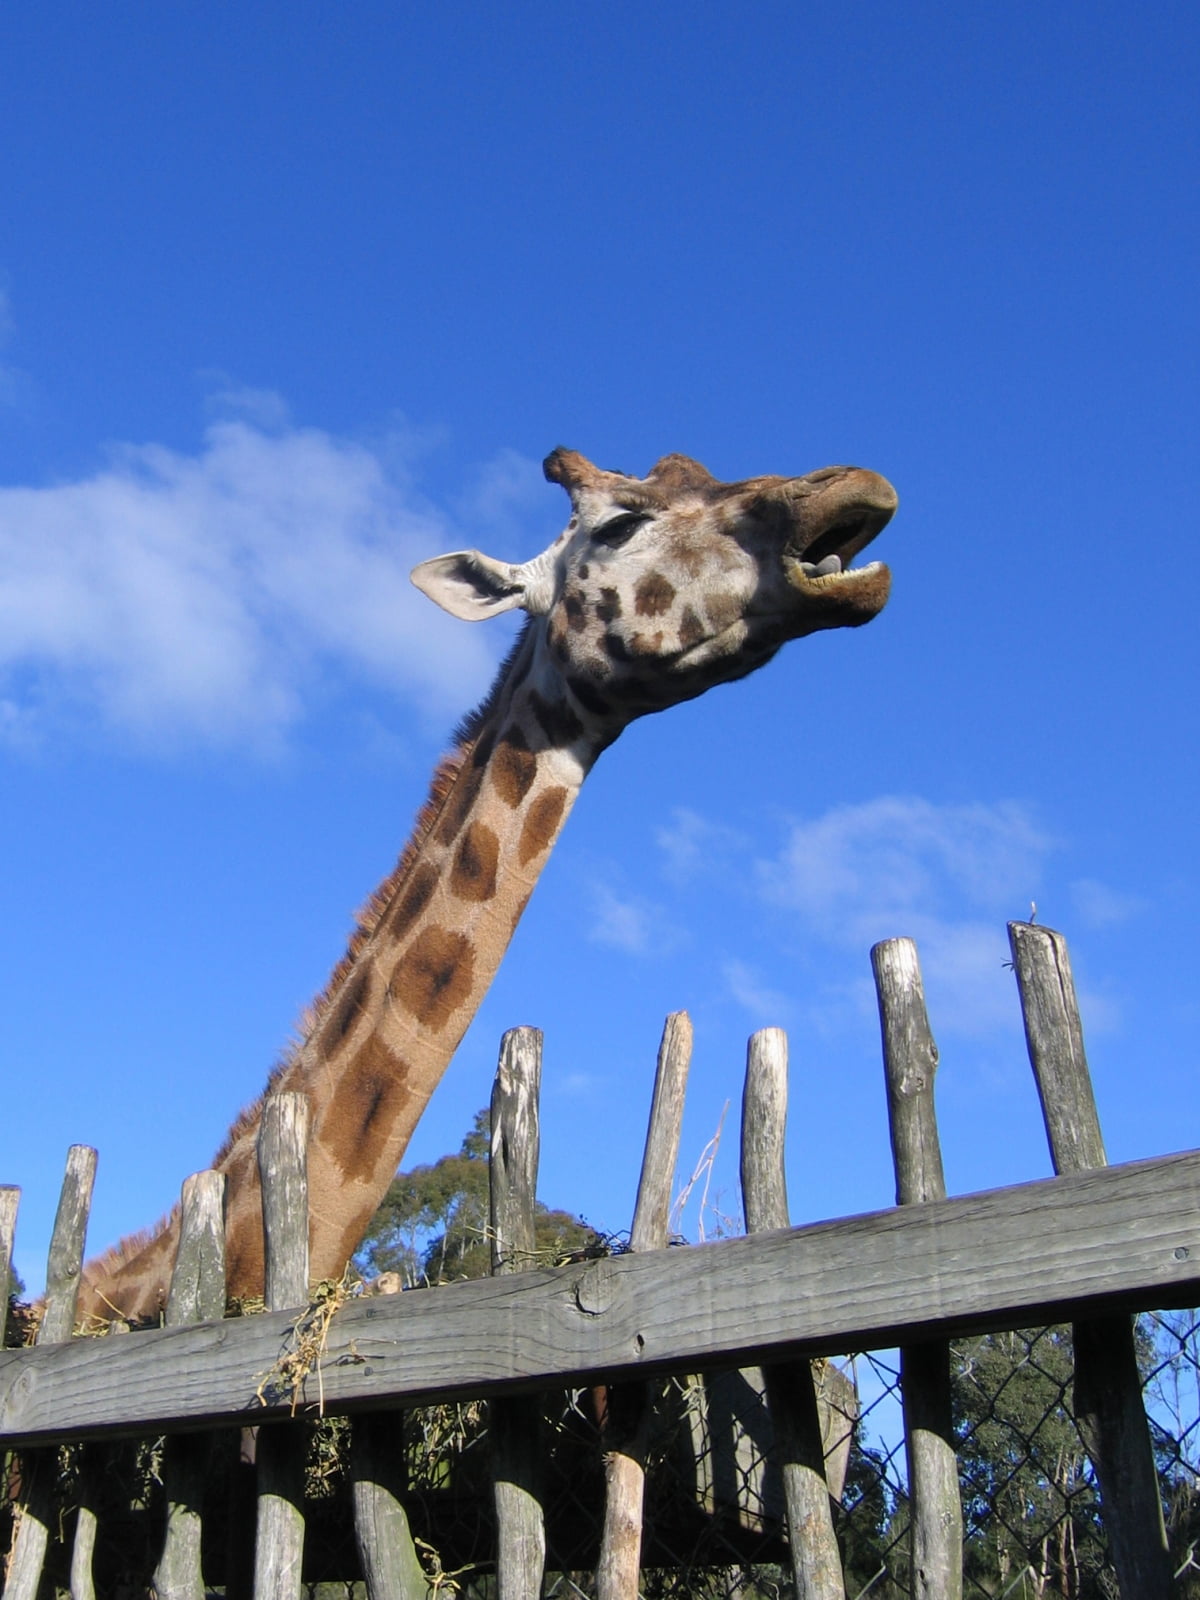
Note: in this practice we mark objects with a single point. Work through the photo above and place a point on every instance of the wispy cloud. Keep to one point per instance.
(193, 597)
(691, 845)
(945, 875)
(747, 988)
(1099, 906)
(625, 922)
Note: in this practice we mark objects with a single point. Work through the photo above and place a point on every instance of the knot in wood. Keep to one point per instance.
(596, 1287)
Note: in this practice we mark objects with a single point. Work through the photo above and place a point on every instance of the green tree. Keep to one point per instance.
(1029, 1497)
(432, 1226)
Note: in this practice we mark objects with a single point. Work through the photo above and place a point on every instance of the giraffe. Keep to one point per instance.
(657, 589)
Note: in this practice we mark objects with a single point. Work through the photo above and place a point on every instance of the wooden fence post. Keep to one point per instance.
(10, 1199)
(63, 1270)
(197, 1294)
(1108, 1392)
(282, 1161)
(910, 1059)
(516, 1422)
(629, 1409)
(381, 1532)
(791, 1392)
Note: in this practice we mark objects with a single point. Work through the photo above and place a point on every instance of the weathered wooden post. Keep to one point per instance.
(63, 1271)
(791, 1393)
(283, 1165)
(384, 1539)
(629, 1408)
(910, 1059)
(10, 1199)
(197, 1294)
(1108, 1392)
(516, 1422)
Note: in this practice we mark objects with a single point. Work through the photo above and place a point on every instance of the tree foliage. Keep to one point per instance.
(432, 1226)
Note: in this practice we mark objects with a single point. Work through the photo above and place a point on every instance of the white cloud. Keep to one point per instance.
(946, 876)
(199, 597)
(626, 924)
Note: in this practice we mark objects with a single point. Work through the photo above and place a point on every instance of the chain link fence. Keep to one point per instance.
(714, 1525)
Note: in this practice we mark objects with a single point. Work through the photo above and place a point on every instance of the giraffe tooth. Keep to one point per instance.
(830, 564)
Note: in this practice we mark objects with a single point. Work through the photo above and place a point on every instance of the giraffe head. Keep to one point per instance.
(660, 587)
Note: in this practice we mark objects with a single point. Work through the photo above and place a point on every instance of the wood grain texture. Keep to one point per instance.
(629, 1408)
(1108, 1393)
(65, 1262)
(516, 1420)
(910, 1059)
(283, 1166)
(652, 1211)
(381, 1531)
(283, 1169)
(10, 1199)
(1124, 1236)
(197, 1294)
(791, 1393)
(63, 1270)
(516, 1143)
(1054, 1034)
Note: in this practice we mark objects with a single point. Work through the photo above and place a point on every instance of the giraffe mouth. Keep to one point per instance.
(823, 563)
(821, 577)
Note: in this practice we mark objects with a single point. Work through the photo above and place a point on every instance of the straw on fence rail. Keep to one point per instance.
(1108, 1398)
(197, 1294)
(628, 1409)
(910, 1059)
(791, 1392)
(282, 1162)
(516, 1422)
(63, 1270)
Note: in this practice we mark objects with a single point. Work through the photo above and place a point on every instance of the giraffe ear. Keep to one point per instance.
(470, 585)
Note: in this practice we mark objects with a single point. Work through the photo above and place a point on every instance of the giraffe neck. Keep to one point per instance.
(396, 1009)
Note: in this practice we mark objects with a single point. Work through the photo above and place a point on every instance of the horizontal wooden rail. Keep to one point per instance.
(1114, 1238)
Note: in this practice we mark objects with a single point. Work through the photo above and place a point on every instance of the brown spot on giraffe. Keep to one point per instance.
(691, 629)
(653, 595)
(723, 611)
(347, 1009)
(541, 824)
(473, 876)
(458, 803)
(434, 976)
(358, 1120)
(646, 644)
(412, 900)
(514, 768)
(576, 615)
(608, 607)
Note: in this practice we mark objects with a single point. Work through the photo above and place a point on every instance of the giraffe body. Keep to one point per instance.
(657, 589)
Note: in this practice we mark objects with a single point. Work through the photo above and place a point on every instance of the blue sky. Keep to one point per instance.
(294, 298)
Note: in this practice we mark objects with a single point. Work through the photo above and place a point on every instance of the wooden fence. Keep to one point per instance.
(1089, 1246)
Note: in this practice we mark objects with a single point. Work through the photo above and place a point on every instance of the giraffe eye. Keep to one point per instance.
(618, 529)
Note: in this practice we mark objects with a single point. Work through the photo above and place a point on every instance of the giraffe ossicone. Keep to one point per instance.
(657, 589)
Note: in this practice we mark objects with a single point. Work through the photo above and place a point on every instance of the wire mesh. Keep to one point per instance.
(714, 1508)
